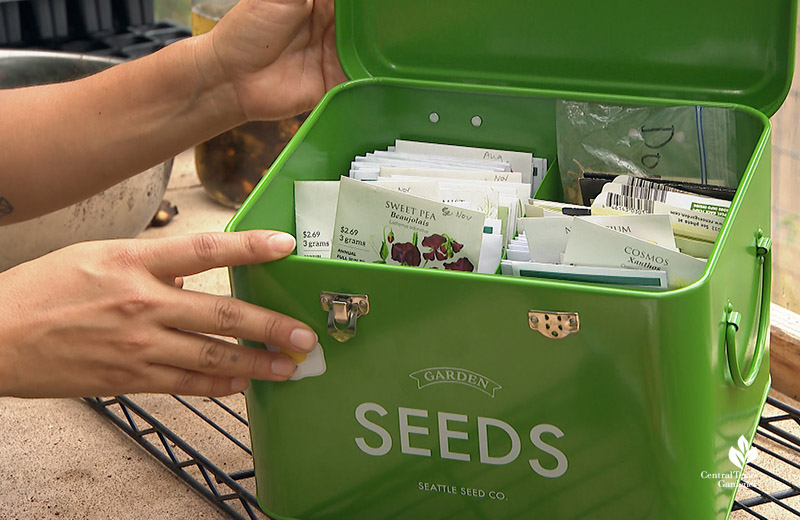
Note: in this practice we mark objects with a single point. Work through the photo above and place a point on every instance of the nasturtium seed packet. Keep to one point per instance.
(380, 225)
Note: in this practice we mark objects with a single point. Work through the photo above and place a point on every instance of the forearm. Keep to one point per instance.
(61, 143)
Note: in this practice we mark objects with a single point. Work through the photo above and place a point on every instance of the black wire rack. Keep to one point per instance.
(773, 493)
(212, 453)
(215, 435)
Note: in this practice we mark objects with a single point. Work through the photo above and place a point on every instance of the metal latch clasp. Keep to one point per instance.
(554, 325)
(343, 309)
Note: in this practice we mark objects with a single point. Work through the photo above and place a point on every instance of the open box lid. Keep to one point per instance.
(704, 50)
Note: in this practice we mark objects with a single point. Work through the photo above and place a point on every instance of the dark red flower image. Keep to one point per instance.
(456, 246)
(437, 244)
(462, 264)
(406, 253)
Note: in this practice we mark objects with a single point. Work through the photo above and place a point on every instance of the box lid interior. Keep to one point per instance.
(707, 50)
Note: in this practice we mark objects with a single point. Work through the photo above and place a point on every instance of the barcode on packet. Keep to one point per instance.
(629, 204)
(639, 181)
(643, 192)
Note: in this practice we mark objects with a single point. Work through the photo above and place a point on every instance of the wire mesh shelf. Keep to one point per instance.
(207, 445)
(211, 452)
(772, 493)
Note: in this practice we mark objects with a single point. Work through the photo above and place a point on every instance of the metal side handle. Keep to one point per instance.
(733, 318)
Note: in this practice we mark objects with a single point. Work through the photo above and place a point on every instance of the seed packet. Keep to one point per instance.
(672, 197)
(443, 161)
(519, 255)
(367, 167)
(478, 198)
(392, 158)
(520, 161)
(426, 188)
(548, 208)
(315, 209)
(467, 175)
(693, 247)
(698, 225)
(706, 190)
(378, 225)
(493, 226)
(581, 273)
(595, 245)
(491, 253)
(473, 196)
(547, 237)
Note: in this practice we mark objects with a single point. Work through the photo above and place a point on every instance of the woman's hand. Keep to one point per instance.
(109, 317)
(279, 55)
(60, 143)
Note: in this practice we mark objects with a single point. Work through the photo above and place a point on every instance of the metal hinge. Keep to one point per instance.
(554, 325)
(343, 309)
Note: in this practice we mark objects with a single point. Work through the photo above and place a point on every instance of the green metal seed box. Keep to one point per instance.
(447, 402)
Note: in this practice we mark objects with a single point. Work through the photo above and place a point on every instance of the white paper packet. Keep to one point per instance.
(518, 255)
(595, 245)
(520, 161)
(426, 188)
(473, 196)
(493, 226)
(547, 237)
(451, 162)
(466, 175)
(698, 225)
(688, 201)
(367, 167)
(491, 253)
(477, 198)
(315, 210)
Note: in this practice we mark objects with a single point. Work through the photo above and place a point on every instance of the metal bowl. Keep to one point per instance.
(122, 211)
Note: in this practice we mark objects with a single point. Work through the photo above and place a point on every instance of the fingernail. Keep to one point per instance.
(283, 366)
(282, 242)
(239, 385)
(303, 339)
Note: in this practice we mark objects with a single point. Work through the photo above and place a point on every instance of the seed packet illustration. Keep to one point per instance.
(379, 225)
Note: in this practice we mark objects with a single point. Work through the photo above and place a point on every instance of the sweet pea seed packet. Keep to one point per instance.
(384, 226)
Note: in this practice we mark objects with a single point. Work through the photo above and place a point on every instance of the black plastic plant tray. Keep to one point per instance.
(119, 28)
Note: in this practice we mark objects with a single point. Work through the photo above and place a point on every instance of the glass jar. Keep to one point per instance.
(231, 164)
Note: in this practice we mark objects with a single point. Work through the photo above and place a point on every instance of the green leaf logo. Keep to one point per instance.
(742, 456)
